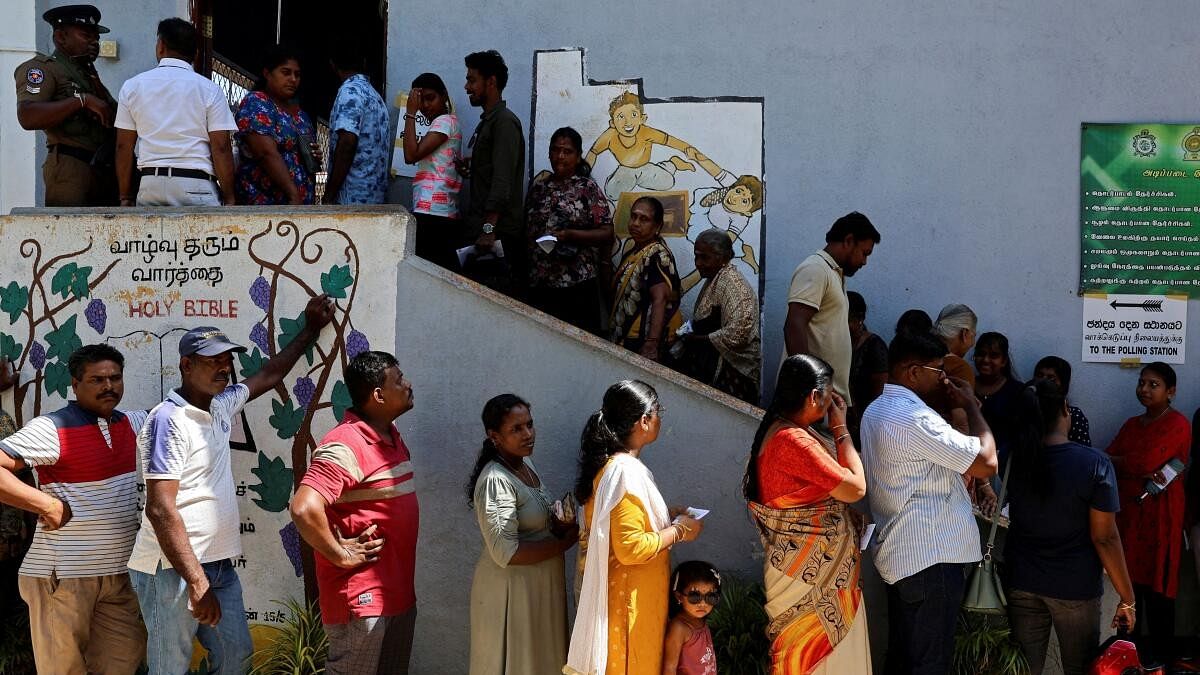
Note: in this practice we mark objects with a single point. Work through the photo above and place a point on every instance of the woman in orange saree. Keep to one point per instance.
(799, 487)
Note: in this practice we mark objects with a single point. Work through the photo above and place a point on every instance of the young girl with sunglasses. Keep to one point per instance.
(695, 592)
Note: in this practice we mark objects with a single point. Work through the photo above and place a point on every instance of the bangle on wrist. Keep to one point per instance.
(839, 438)
(1127, 605)
(837, 426)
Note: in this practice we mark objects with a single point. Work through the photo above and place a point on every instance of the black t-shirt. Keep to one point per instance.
(870, 358)
(1049, 548)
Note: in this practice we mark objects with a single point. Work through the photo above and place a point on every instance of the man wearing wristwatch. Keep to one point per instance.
(496, 167)
(62, 95)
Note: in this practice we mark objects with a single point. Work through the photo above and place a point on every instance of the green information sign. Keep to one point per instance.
(1140, 209)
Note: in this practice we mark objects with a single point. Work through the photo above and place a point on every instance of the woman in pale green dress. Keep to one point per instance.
(518, 595)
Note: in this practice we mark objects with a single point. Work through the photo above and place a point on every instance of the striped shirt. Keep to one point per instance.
(184, 443)
(366, 480)
(914, 462)
(90, 463)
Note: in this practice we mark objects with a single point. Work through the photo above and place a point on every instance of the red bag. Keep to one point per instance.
(1118, 657)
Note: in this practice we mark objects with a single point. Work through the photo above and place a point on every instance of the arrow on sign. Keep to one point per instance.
(1147, 306)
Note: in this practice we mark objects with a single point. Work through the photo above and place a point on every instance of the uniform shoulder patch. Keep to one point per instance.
(35, 76)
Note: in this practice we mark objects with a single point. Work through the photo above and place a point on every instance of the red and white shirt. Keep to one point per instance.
(366, 480)
(91, 464)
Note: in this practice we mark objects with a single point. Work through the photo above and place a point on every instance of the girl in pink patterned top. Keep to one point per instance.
(695, 592)
(437, 182)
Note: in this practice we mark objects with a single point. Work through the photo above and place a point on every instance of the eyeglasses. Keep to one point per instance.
(940, 371)
(696, 597)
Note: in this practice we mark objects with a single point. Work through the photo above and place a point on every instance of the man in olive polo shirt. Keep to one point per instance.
(496, 167)
(62, 95)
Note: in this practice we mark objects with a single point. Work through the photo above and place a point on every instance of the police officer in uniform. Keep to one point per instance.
(62, 95)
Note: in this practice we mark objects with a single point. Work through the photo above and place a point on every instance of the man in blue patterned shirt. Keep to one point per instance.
(359, 141)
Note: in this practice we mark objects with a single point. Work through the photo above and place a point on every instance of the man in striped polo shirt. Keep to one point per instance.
(182, 563)
(357, 507)
(915, 463)
(83, 613)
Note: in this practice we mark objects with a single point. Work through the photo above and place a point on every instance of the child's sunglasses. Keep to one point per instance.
(696, 597)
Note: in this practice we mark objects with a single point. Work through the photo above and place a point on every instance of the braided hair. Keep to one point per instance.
(625, 404)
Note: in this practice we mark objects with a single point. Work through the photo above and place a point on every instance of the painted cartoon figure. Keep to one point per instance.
(727, 208)
(631, 141)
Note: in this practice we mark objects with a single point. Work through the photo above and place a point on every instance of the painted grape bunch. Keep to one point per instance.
(37, 355)
(258, 335)
(289, 536)
(356, 343)
(260, 293)
(304, 390)
(97, 315)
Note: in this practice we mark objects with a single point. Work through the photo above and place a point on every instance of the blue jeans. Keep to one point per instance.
(922, 615)
(164, 601)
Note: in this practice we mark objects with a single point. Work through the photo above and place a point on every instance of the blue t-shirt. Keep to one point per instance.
(1049, 549)
(360, 110)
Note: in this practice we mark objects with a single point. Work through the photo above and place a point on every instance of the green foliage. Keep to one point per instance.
(276, 486)
(336, 281)
(13, 299)
(301, 647)
(286, 418)
(9, 349)
(983, 645)
(63, 340)
(252, 362)
(739, 628)
(16, 649)
(57, 378)
(340, 398)
(289, 329)
(71, 279)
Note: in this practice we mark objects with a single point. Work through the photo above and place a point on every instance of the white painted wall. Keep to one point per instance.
(18, 172)
(954, 126)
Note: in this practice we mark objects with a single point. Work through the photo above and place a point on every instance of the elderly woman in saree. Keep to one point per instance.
(799, 489)
(723, 349)
(645, 310)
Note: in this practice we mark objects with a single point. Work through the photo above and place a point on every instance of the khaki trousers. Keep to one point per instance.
(84, 625)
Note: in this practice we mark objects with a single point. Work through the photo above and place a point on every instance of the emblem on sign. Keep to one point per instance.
(1191, 145)
(1145, 144)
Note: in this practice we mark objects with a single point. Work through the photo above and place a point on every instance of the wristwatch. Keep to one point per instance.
(488, 228)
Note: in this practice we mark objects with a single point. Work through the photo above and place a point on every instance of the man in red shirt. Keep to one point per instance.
(357, 507)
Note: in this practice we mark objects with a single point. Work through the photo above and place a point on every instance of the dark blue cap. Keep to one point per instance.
(207, 341)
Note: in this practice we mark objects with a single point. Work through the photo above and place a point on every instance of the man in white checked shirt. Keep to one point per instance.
(83, 614)
(926, 534)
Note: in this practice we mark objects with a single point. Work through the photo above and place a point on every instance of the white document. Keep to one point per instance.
(866, 537)
(472, 252)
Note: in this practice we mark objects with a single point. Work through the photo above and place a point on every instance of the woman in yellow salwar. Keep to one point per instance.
(799, 489)
(626, 534)
(645, 308)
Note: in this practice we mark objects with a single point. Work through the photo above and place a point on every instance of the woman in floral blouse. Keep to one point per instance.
(276, 139)
(568, 206)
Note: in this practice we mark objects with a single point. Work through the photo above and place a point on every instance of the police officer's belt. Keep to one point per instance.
(72, 151)
(179, 173)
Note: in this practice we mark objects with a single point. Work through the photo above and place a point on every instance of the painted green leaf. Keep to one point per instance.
(289, 329)
(13, 299)
(58, 378)
(63, 341)
(340, 398)
(275, 487)
(286, 418)
(9, 349)
(337, 281)
(71, 279)
(251, 362)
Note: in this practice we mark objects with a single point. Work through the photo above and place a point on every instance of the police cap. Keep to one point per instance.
(75, 15)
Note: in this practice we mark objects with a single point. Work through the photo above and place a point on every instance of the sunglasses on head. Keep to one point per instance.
(696, 597)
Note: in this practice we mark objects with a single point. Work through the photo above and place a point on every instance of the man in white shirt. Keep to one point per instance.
(818, 310)
(926, 534)
(182, 562)
(180, 122)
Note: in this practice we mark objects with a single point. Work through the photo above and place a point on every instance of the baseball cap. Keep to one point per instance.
(207, 341)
